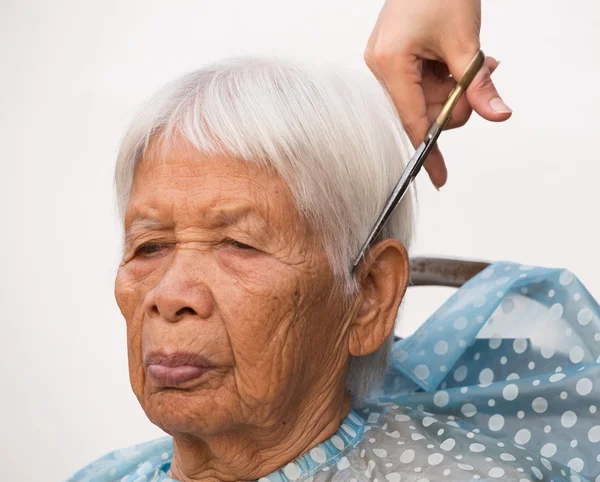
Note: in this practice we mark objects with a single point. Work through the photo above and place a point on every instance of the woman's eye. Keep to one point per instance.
(147, 249)
(239, 245)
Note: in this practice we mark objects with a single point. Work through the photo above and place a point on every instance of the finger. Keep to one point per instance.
(436, 167)
(402, 76)
(482, 93)
(485, 99)
(491, 63)
(407, 93)
(462, 111)
(460, 114)
(437, 92)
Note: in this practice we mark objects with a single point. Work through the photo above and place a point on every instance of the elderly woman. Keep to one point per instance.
(246, 190)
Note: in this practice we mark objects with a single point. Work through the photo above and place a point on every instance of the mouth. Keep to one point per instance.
(175, 369)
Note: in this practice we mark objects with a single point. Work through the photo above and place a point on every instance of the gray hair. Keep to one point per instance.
(332, 135)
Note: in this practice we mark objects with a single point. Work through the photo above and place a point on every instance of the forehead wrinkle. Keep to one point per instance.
(211, 204)
(243, 216)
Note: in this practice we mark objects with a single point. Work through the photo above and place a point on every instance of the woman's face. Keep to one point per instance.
(230, 304)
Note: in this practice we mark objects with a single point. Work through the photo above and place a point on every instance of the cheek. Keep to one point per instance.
(270, 315)
(259, 307)
(131, 285)
(255, 297)
(254, 271)
(129, 293)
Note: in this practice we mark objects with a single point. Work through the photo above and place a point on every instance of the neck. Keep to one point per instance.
(253, 453)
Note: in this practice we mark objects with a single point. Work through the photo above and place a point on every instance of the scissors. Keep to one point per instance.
(421, 153)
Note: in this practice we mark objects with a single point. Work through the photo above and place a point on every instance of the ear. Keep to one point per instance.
(383, 277)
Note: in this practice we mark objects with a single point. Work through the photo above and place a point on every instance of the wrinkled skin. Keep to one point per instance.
(268, 314)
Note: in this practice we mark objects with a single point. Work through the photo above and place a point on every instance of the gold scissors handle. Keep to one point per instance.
(421, 153)
(462, 85)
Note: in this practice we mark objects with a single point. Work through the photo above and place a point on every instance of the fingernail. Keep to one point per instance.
(498, 105)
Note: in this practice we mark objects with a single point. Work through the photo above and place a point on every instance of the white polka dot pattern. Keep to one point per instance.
(479, 392)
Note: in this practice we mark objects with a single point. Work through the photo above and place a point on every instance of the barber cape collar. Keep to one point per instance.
(502, 382)
(151, 461)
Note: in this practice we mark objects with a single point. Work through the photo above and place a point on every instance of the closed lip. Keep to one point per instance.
(176, 359)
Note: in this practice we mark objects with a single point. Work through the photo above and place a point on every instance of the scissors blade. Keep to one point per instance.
(418, 158)
(411, 171)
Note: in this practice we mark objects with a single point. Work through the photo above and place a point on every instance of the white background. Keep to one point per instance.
(72, 74)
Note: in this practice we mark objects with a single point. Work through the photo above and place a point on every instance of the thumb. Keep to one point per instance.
(482, 94)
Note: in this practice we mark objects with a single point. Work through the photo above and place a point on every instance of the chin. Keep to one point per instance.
(195, 413)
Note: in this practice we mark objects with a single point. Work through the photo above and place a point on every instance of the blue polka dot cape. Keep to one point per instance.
(502, 382)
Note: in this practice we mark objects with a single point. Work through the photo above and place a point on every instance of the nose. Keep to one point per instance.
(180, 292)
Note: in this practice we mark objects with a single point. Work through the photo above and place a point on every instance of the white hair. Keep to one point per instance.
(332, 135)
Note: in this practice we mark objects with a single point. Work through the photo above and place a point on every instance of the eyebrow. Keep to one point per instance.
(214, 219)
(141, 224)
